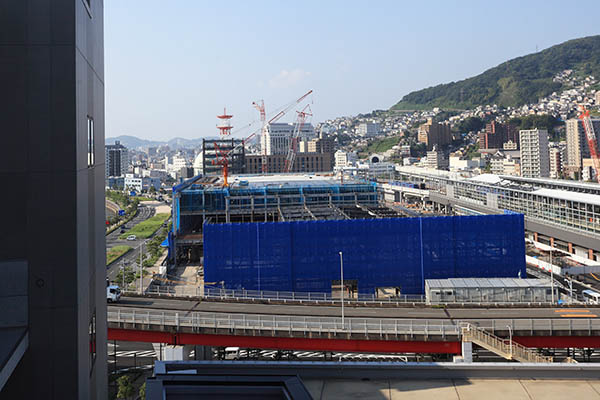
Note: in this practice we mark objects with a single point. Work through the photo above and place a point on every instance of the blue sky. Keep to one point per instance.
(171, 66)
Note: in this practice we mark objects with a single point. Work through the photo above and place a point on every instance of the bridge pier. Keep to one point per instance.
(467, 351)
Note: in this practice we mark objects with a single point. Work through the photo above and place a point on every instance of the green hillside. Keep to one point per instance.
(513, 83)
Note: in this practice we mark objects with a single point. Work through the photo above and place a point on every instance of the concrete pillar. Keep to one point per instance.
(467, 351)
(590, 254)
(570, 247)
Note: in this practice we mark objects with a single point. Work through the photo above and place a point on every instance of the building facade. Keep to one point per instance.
(434, 134)
(116, 159)
(577, 145)
(345, 159)
(535, 158)
(304, 162)
(52, 65)
(368, 129)
(276, 139)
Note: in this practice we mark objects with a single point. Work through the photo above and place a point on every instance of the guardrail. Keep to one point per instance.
(289, 323)
(310, 297)
(280, 323)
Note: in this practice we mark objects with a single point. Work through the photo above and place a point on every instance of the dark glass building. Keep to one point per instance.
(52, 244)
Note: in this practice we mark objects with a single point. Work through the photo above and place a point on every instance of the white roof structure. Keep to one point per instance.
(455, 283)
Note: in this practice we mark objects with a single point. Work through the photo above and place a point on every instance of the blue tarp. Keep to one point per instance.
(395, 252)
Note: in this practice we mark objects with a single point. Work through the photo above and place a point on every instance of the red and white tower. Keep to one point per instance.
(224, 126)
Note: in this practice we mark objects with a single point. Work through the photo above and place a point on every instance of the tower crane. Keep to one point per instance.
(222, 158)
(260, 106)
(588, 127)
(293, 149)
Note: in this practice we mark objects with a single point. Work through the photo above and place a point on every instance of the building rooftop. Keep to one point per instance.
(486, 283)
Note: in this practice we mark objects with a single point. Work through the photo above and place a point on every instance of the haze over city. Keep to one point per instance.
(171, 69)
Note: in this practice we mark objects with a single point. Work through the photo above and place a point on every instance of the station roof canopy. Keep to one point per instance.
(456, 283)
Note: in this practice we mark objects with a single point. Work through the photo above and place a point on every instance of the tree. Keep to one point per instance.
(126, 389)
(143, 391)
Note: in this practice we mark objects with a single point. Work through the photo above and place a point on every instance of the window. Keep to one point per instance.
(90, 141)
(92, 339)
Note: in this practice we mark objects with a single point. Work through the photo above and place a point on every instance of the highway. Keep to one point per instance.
(349, 311)
(144, 212)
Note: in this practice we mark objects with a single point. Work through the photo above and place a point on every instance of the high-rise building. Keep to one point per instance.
(557, 159)
(577, 145)
(368, 129)
(53, 238)
(345, 159)
(214, 150)
(535, 158)
(436, 159)
(434, 134)
(497, 134)
(116, 159)
(276, 139)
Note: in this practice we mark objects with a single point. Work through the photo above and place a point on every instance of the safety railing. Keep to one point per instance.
(503, 347)
(311, 297)
(293, 323)
(284, 324)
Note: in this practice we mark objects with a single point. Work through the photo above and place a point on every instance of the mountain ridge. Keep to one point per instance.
(514, 82)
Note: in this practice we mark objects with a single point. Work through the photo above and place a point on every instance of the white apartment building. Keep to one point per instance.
(277, 136)
(535, 158)
(344, 159)
(436, 159)
(368, 129)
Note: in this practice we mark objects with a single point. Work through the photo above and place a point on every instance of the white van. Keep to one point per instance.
(113, 293)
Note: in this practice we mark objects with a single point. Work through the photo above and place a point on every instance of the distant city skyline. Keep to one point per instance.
(171, 75)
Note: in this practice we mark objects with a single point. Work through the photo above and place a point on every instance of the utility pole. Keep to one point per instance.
(141, 268)
(342, 286)
(123, 273)
(551, 275)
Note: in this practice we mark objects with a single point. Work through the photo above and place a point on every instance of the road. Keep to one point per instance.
(144, 212)
(367, 312)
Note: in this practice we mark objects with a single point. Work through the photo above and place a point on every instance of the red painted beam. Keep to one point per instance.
(282, 343)
(559, 342)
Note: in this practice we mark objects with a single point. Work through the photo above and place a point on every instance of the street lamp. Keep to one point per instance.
(551, 275)
(342, 285)
(510, 339)
(141, 266)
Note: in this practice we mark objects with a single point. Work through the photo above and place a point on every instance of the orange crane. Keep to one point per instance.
(588, 127)
(293, 149)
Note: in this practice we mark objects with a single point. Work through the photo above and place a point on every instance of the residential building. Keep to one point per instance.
(577, 144)
(53, 253)
(510, 145)
(497, 134)
(276, 139)
(436, 159)
(557, 158)
(116, 159)
(535, 158)
(368, 129)
(345, 159)
(434, 134)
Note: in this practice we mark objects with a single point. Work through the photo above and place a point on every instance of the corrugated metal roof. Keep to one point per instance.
(487, 283)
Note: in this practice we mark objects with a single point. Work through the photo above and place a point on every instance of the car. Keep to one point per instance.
(113, 293)
(122, 230)
(131, 237)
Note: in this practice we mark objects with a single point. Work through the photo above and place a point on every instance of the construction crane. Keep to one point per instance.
(588, 127)
(263, 119)
(293, 149)
(222, 158)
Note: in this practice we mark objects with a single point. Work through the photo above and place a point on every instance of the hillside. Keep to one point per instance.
(513, 83)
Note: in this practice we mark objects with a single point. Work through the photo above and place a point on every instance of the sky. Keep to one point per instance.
(172, 66)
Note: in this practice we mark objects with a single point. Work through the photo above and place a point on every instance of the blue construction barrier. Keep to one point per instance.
(396, 252)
